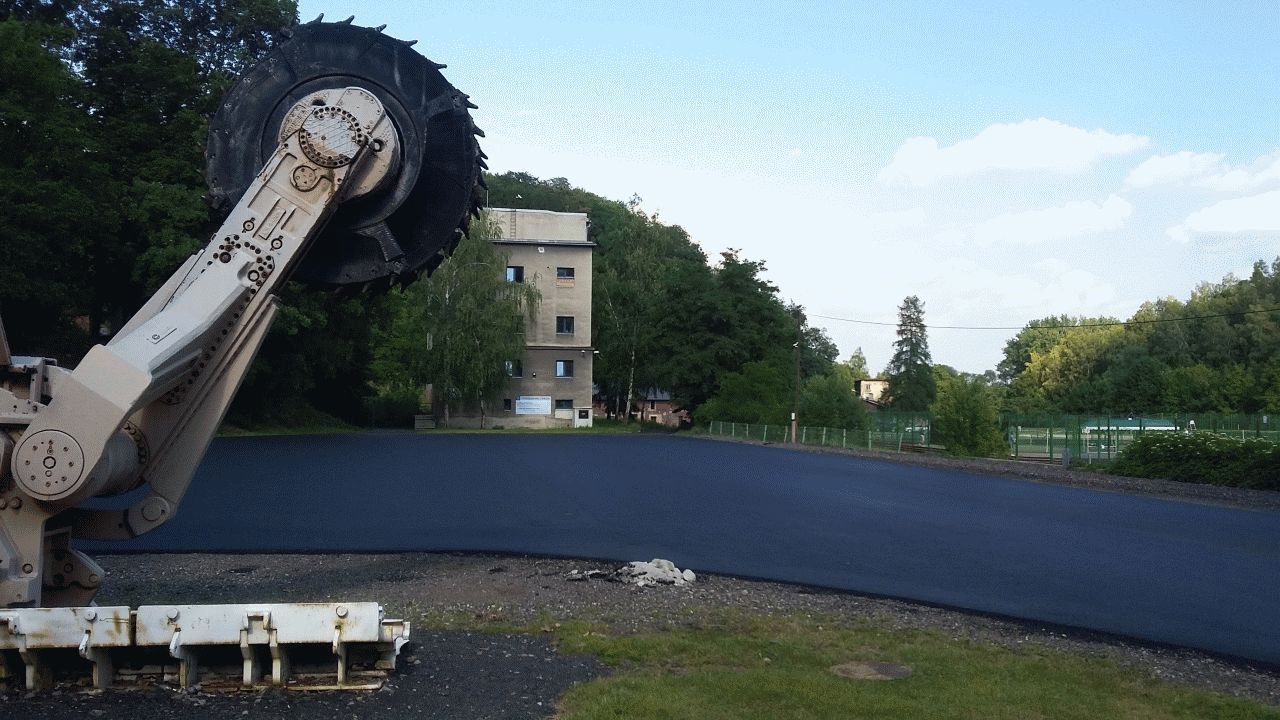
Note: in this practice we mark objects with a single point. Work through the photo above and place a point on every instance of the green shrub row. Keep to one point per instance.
(1202, 458)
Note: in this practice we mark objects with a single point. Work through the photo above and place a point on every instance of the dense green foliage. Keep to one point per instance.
(911, 381)
(966, 416)
(1217, 352)
(1202, 457)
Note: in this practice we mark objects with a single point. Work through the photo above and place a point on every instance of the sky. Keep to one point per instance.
(1002, 161)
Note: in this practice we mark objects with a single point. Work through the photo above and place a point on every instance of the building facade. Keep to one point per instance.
(550, 386)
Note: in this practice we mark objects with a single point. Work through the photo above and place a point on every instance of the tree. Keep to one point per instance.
(760, 393)
(966, 417)
(628, 289)
(829, 401)
(53, 203)
(458, 328)
(911, 383)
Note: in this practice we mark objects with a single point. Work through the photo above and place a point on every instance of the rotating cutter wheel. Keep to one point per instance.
(408, 224)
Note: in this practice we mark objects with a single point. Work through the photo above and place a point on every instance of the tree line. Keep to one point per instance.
(1219, 351)
(104, 108)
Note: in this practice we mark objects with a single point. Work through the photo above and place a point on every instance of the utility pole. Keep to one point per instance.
(795, 390)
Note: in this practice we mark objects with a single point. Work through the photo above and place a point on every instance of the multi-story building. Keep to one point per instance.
(551, 384)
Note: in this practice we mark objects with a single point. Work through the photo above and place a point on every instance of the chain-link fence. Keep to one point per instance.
(1045, 437)
(1103, 437)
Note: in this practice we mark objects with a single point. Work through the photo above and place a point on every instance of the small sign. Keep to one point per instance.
(533, 405)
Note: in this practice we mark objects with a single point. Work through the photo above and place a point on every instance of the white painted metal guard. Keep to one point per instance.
(260, 630)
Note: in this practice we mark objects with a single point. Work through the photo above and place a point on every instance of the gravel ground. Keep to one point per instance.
(535, 591)
(1056, 474)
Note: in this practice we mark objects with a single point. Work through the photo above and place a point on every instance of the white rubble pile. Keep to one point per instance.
(655, 572)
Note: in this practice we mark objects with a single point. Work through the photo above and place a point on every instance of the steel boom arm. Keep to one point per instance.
(142, 409)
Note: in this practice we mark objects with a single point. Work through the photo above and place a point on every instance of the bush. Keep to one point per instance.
(1202, 458)
(966, 418)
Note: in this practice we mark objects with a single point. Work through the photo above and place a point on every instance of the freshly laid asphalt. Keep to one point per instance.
(1169, 571)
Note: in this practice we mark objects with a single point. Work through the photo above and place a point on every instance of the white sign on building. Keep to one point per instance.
(533, 405)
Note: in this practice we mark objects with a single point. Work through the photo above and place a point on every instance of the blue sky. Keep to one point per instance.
(1004, 161)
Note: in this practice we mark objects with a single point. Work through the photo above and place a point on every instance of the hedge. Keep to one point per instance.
(1202, 458)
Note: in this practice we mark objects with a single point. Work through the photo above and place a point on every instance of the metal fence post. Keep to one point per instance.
(844, 441)
(824, 435)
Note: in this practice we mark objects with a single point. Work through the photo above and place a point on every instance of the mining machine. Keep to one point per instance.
(343, 159)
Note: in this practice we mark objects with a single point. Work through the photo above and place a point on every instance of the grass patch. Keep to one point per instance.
(300, 420)
(777, 668)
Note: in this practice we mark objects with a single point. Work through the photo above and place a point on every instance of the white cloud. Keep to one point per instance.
(1172, 169)
(1040, 144)
(1264, 170)
(1253, 214)
(1079, 217)
(1204, 170)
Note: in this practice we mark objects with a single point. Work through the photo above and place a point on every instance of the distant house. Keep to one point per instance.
(874, 393)
(656, 407)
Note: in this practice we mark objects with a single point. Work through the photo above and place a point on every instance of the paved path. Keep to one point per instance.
(1177, 572)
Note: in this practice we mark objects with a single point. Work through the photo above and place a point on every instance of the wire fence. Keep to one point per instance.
(899, 434)
(1039, 437)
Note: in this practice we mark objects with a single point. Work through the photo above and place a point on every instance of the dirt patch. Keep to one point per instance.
(859, 670)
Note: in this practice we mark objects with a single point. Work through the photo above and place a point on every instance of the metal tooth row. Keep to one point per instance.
(287, 32)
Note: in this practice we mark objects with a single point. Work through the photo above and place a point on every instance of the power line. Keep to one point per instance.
(1057, 327)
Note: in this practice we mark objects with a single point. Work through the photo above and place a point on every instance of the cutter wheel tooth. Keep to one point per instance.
(319, 18)
(347, 21)
(475, 130)
(466, 100)
(483, 165)
(480, 182)
(380, 28)
(410, 43)
(483, 156)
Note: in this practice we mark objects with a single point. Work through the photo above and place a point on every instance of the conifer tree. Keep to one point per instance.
(911, 382)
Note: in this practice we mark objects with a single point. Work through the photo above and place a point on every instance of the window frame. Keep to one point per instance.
(572, 323)
(564, 369)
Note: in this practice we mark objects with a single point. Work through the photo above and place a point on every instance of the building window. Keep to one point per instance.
(515, 273)
(564, 277)
(653, 404)
(564, 404)
(506, 404)
(515, 368)
(564, 324)
(564, 368)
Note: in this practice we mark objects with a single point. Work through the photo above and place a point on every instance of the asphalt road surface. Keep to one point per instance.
(1169, 571)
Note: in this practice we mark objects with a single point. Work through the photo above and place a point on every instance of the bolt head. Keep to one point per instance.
(342, 611)
(91, 615)
(172, 614)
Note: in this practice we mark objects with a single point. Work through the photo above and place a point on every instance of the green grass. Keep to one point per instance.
(778, 668)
